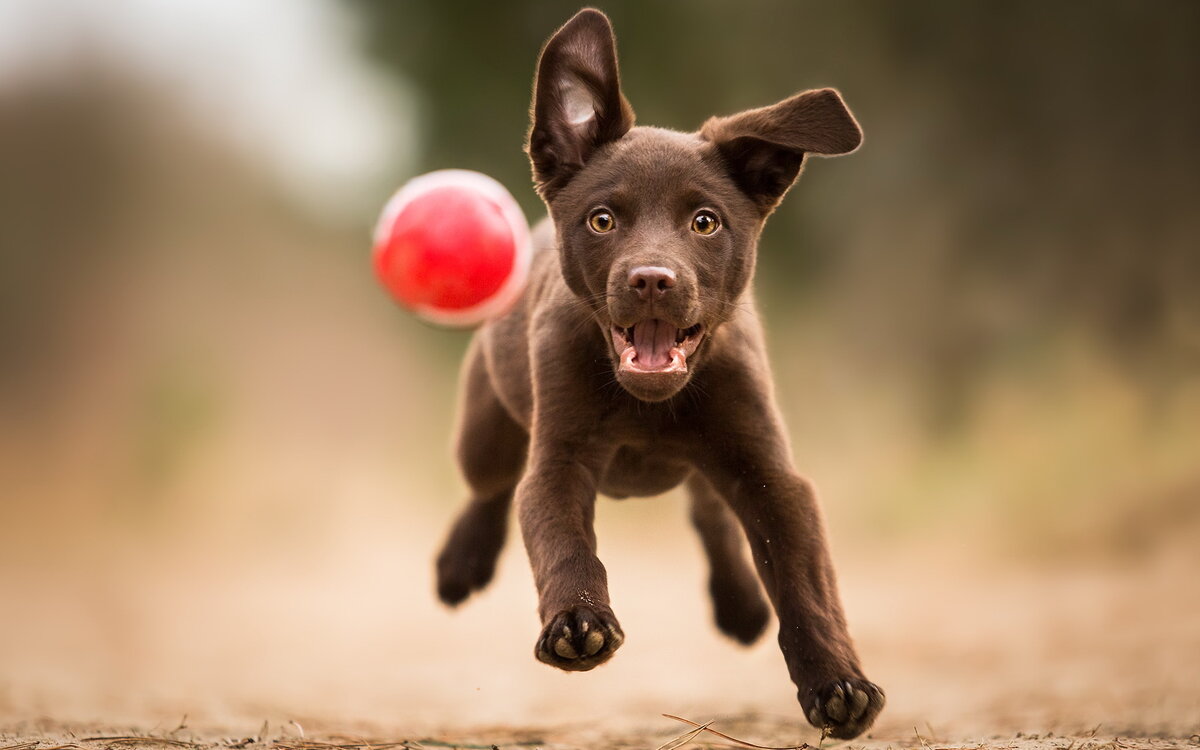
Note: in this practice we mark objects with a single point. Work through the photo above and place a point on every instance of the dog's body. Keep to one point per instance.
(635, 362)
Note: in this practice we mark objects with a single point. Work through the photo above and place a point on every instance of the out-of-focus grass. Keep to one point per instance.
(1062, 455)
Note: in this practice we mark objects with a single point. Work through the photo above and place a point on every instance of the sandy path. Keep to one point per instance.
(345, 636)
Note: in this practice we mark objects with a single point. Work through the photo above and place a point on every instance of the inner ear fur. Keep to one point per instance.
(764, 148)
(577, 100)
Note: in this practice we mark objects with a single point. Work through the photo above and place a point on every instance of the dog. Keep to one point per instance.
(635, 362)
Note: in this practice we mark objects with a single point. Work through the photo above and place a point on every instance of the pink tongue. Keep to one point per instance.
(652, 340)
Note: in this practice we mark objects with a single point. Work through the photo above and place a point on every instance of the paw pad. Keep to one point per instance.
(844, 709)
(579, 639)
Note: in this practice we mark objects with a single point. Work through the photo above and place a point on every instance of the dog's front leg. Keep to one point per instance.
(555, 503)
(778, 510)
(748, 461)
(556, 497)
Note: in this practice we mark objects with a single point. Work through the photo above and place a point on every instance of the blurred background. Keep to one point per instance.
(224, 453)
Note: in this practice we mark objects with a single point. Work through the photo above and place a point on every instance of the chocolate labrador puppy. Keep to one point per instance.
(635, 362)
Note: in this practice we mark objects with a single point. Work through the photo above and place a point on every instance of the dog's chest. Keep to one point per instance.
(642, 470)
(649, 448)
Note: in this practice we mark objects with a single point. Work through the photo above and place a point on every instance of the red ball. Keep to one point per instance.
(453, 247)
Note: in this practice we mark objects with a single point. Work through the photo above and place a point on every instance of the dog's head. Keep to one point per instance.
(657, 229)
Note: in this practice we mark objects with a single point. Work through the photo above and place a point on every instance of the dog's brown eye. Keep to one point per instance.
(601, 221)
(705, 222)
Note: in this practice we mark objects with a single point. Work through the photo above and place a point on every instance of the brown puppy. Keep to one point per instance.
(635, 362)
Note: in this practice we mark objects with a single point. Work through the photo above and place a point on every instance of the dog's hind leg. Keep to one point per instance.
(739, 607)
(491, 450)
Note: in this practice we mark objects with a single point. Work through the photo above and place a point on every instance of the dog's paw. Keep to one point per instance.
(739, 608)
(467, 561)
(579, 639)
(843, 709)
(462, 570)
(458, 576)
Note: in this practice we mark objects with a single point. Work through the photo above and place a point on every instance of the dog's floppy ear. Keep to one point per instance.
(577, 101)
(764, 148)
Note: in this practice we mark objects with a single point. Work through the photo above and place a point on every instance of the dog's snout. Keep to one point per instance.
(651, 282)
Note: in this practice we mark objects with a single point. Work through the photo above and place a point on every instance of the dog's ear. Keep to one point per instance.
(764, 148)
(577, 100)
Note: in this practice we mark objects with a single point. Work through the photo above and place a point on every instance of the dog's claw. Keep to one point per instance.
(579, 639)
(845, 709)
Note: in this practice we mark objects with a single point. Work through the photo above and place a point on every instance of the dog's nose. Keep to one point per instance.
(651, 282)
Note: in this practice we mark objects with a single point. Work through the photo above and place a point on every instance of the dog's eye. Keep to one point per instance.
(601, 221)
(705, 222)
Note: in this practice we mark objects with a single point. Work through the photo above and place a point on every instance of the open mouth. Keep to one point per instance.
(655, 346)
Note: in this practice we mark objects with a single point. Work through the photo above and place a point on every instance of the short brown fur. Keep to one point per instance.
(551, 415)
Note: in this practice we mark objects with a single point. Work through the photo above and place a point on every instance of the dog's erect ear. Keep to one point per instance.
(764, 148)
(577, 101)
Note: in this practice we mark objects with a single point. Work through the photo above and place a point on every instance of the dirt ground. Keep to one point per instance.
(45, 736)
(974, 650)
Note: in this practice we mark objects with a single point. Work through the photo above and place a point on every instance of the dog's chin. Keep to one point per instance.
(652, 357)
